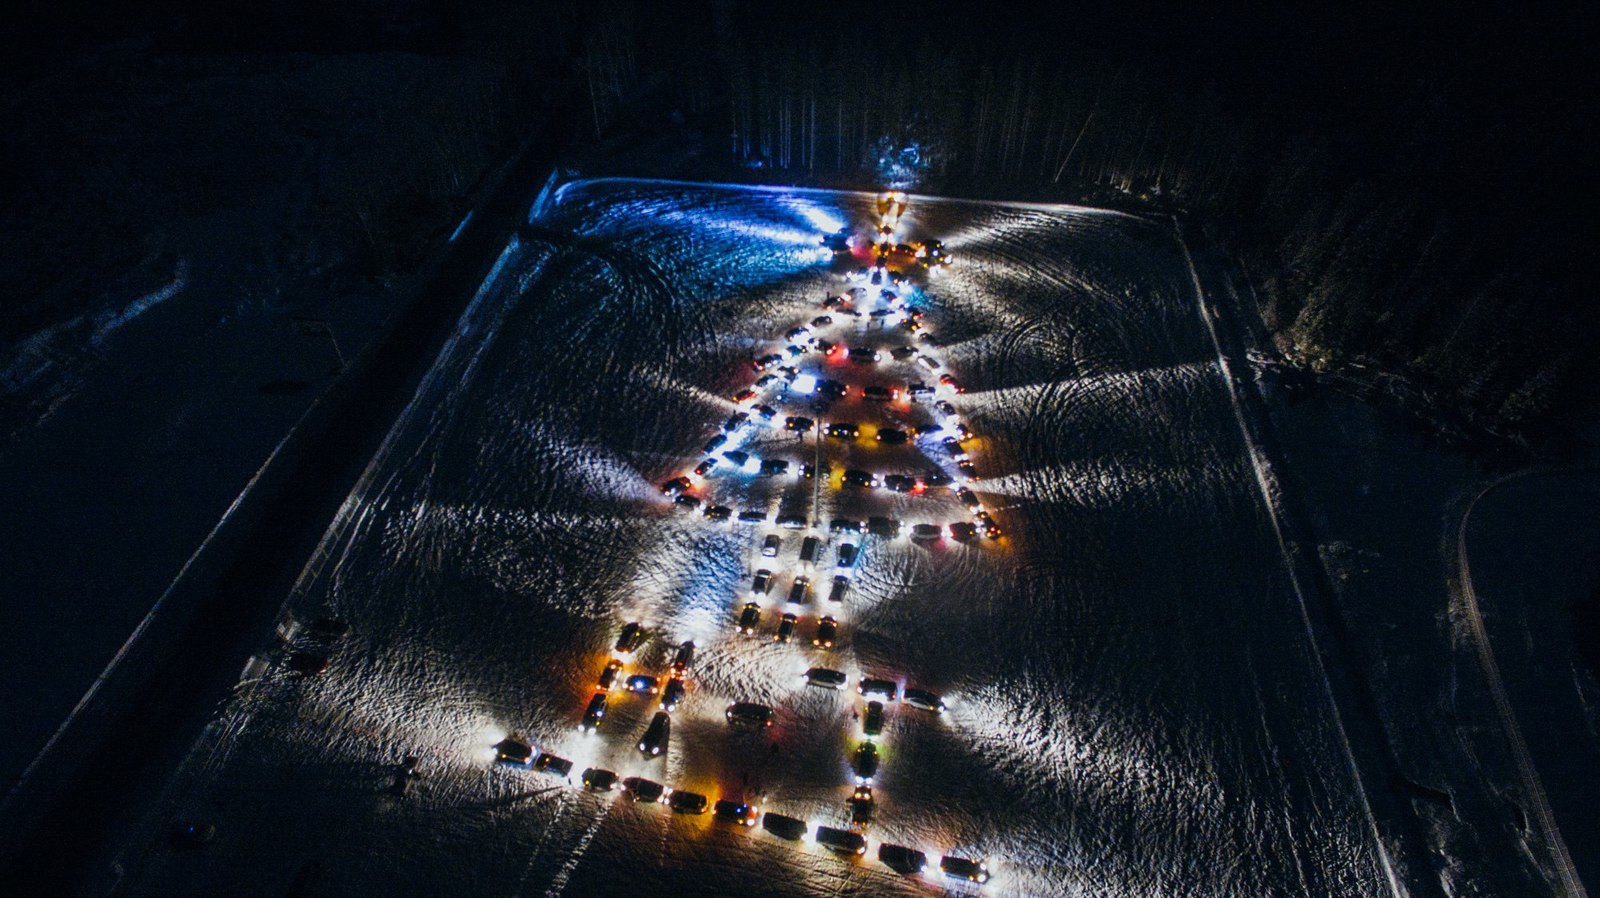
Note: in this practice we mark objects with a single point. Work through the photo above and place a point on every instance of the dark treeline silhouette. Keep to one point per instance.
(1407, 190)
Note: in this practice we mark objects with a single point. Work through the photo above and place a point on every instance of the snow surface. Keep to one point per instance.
(1135, 706)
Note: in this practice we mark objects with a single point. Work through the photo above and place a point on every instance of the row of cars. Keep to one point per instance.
(779, 379)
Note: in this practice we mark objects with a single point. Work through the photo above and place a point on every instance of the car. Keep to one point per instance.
(788, 373)
(783, 826)
(821, 321)
(684, 657)
(513, 750)
(861, 805)
(831, 389)
(935, 479)
(810, 548)
(844, 525)
(798, 424)
(774, 467)
(796, 334)
(736, 812)
(608, 676)
(943, 407)
(593, 713)
(684, 802)
(752, 516)
(968, 472)
(952, 447)
(881, 526)
(880, 394)
(881, 315)
(599, 779)
(926, 533)
(673, 693)
(828, 348)
(644, 684)
(640, 789)
(735, 422)
(902, 860)
(859, 478)
(845, 556)
(796, 350)
(900, 483)
(947, 381)
(918, 391)
(309, 663)
(765, 412)
(749, 715)
(901, 353)
(889, 436)
(842, 841)
(715, 443)
(718, 512)
(811, 472)
(872, 721)
(983, 519)
(865, 762)
(962, 868)
(738, 458)
(963, 532)
(770, 545)
(799, 589)
(862, 355)
(750, 618)
(761, 583)
(834, 300)
(927, 430)
(786, 625)
(849, 313)
(632, 635)
(554, 765)
(826, 678)
(827, 631)
(969, 499)
(656, 735)
(792, 521)
(923, 699)
(843, 430)
(687, 502)
(963, 432)
(744, 396)
(769, 360)
(840, 584)
(928, 361)
(870, 686)
(676, 486)
(765, 381)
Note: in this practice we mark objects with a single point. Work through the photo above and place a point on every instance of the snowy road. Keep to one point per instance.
(1134, 705)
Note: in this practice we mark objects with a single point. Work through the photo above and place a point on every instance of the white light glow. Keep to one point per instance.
(823, 221)
(804, 384)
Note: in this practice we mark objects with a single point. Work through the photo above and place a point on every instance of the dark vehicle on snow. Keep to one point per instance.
(688, 802)
(786, 625)
(826, 678)
(783, 827)
(513, 750)
(841, 840)
(749, 715)
(641, 789)
(594, 713)
(599, 779)
(656, 735)
(962, 868)
(750, 618)
(736, 812)
(902, 860)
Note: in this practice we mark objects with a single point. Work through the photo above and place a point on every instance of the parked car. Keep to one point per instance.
(826, 678)
(656, 735)
(749, 715)
(750, 618)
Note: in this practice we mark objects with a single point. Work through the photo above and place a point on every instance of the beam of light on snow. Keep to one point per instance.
(823, 220)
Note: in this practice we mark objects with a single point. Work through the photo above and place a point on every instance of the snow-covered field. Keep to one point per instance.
(1135, 708)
